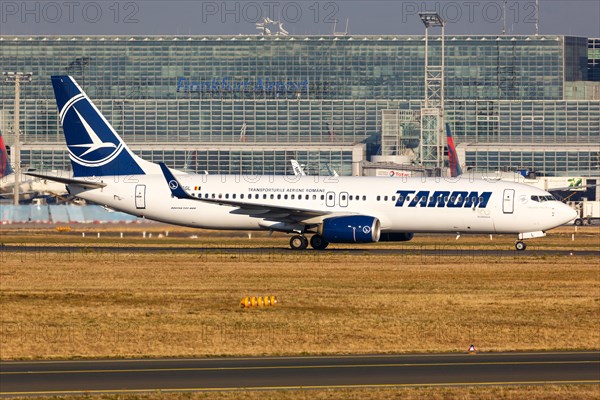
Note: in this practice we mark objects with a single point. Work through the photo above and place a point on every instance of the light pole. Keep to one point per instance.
(17, 78)
(432, 110)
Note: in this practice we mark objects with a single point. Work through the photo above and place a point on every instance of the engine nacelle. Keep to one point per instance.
(351, 229)
(396, 236)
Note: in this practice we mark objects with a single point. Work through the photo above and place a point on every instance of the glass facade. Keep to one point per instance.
(594, 59)
(543, 161)
(192, 97)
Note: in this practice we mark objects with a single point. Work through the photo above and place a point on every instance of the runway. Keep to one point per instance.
(441, 250)
(270, 373)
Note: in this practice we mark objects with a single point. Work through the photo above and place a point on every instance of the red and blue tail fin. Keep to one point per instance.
(5, 167)
(454, 163)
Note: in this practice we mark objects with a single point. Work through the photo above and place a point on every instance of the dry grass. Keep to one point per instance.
(563, 238)
(572, 392)
(121, 304)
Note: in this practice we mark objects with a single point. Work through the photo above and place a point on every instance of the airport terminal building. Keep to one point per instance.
(249, 104)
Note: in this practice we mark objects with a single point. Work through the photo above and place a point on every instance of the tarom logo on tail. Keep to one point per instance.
(95, 149)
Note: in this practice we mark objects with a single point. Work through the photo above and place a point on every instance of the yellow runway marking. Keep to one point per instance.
(331, 366)
(259, 388)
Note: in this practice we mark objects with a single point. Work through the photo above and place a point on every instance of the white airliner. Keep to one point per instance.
(29, 188)
(332, 209)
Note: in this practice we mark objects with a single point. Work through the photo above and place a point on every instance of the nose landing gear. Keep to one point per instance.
(520, 246)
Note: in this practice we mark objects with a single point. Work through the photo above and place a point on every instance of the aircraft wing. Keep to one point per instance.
(268, 212)
(68, 181)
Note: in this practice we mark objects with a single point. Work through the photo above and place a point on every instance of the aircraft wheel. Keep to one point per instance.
(318, 243)
(298, 242)
(579, 222)
(520, 246)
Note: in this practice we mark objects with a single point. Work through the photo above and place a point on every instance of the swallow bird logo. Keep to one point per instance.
(96, 152)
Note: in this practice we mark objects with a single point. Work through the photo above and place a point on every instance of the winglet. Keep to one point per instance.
(174, 185)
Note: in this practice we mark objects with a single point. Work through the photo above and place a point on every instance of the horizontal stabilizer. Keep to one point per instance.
(69, 181)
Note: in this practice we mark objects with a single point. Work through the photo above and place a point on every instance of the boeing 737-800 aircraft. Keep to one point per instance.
(332, 209)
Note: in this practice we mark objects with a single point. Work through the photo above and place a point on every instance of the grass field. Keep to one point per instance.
(88, 303)
(571, 392)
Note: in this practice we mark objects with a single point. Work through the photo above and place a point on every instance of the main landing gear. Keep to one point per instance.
(520, 246)
(300, 242)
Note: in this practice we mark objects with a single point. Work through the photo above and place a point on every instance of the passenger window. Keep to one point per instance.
(264, 196)
(227, 195)
(393, 198)
(400, 198)
(350, 198)
(272, 196)
(293, 197)
(385, 198)
(378, 198)
(322, 197)
(242, 196)
(315, 197)
(364, 198)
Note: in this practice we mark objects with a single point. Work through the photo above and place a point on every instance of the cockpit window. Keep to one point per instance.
(541, 199)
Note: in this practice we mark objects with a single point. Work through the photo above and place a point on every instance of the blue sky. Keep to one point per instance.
(569, 17)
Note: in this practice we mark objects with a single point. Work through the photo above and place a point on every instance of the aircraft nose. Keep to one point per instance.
(566, 213)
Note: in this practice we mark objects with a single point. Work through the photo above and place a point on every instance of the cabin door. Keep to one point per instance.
(508, 203)
(140, 197)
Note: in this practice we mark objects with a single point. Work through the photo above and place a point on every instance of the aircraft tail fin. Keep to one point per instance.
(5, 167)
(454, 163)
(95, 148)
(298, 170)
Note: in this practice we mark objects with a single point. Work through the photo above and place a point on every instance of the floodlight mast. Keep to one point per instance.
(432, 110)
(17, 78)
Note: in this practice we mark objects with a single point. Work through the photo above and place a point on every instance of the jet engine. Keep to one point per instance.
(350, 229)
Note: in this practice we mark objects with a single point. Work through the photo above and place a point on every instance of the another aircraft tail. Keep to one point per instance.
(5, 167)
(298, 170)
(454, 163)
(94, 147)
